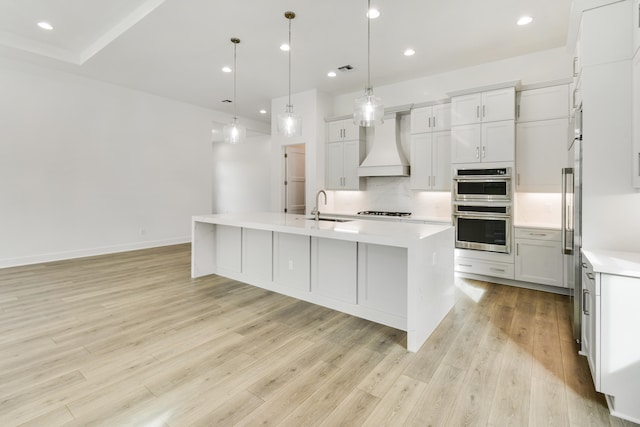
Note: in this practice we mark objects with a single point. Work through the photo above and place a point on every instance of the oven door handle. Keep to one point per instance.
(502, 178)
(480, 215)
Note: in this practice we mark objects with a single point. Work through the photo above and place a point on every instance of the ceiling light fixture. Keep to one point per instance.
(409, 52)
(524, 20)
(373, 13)
(284, 47)
(45, 25)
(331, 74)
(368, 110)
(263, 111)
(233, 132)
(226, 69)
(289, 124)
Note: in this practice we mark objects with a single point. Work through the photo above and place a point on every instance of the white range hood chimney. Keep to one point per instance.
(386, 157)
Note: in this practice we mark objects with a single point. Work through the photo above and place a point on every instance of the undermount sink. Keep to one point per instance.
(330, 219)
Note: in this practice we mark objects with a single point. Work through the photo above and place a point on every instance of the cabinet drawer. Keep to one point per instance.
(538, 234)
(487, 268)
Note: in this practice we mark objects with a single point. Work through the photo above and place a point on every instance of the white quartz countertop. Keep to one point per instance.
(613, 262)
(401, 234)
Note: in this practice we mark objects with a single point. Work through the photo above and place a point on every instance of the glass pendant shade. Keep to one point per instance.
(368, 110)
(234, 132)
(289, 123)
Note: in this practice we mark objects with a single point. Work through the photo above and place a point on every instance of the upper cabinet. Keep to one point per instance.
(490, 106)
(434, 118)
(636, 26)
(343, 130)
(603, 37)
(543, 103)
(483, 126)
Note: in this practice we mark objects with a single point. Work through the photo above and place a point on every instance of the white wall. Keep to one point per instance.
(88, 167)
(538, 67)
(241, 176)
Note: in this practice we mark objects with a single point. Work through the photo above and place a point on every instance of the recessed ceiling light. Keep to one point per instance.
(263, 111)
(373, 13)
(525, 20)
(331, 74)
(226, 69)
(409, 52)
(284, 47)
(45, 25)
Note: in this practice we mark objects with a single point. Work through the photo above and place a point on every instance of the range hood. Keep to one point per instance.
(385, 157)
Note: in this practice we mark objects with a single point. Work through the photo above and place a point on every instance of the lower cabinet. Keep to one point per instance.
(257, 254)
(382, 278)
(484, 267)
(291, 260)
(539, 257)
(610, 319)
(228, 250)
(334, 269)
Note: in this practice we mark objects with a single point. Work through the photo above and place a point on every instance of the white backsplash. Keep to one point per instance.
(391, 194)
(538, 209)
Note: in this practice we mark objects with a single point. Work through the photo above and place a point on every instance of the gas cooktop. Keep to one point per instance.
(384, 213)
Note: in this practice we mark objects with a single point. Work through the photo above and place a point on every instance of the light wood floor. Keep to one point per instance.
(131, 339)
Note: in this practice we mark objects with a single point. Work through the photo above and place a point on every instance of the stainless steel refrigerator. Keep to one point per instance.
(572, 223)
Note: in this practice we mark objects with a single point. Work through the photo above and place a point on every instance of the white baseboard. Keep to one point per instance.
(81, 253)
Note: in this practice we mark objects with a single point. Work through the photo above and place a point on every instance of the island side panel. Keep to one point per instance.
(430, 286)
(203, 249)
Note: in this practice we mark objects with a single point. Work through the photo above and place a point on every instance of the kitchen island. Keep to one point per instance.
(396, 274)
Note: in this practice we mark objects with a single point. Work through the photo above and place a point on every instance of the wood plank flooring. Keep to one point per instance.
(131, 339)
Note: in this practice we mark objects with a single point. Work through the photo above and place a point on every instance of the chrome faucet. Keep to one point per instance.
(316, 212)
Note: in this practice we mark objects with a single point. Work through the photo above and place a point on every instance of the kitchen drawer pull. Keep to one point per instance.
(502, 270)
(537, 234)
(584, 265)
(584, 302)
(590, 276)
(465, 265)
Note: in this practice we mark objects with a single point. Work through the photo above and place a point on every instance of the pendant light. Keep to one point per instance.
(233, 132)
(289, 124)
(368, 110)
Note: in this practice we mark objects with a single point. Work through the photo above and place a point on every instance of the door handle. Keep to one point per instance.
(584, 302)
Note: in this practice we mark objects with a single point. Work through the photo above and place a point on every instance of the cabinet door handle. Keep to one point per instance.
(484, 154)
(518, 179)
(429, 182)
(434, 122)
(477, 111)
(477, 152)
(590, 276)
(434, 181)
(517, 249)
(465, 265)
(518, 111)
(575, 98)
(483, 110)
(584, 302)
(429, 122)
(584, 265)
(575, 61)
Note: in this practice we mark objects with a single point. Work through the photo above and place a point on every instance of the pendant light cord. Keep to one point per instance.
(289, 105)
(368, 47)
(235, 74)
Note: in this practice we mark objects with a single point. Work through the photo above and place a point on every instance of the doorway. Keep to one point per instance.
(294, 179)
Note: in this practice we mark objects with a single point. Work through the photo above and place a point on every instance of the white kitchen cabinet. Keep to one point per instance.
(484, 267)
(431, 161)
(343, 130)
(481, 107)
(257, 249)
(381, 270)
(435, 118)
(610, 319)
(228, 252)
(635, 101)
(606, 34)
(291, 261)
(539, 257)
(486, 142)
(334, 269)
(343, 159)
(541, 148)
(543, 103)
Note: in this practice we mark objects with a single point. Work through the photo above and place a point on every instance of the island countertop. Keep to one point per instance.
(400, 234)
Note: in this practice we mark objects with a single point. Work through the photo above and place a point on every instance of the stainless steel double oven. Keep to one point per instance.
(482, 209)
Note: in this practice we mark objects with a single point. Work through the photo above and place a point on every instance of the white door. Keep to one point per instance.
(294, 184)
(465, 144)
(498, 141)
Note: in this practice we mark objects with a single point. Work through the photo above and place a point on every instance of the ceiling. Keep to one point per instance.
(177, 48)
